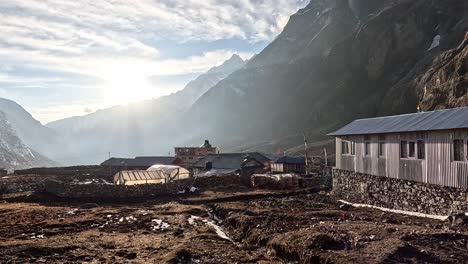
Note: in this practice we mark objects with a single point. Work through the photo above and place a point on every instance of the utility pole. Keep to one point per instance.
(326, 157)
(306, 154)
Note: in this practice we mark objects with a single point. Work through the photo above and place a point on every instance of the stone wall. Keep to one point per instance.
(104, 192)
(76, 172)
(399, 194)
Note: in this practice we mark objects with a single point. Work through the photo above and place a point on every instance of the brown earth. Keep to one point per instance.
(288, 228)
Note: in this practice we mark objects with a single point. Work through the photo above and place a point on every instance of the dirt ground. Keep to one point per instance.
(244, 228)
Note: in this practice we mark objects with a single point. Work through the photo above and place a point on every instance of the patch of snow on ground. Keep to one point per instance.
(192, 219)
(158, 224)
(218, 229)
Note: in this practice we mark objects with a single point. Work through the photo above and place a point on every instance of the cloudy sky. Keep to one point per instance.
(60, 58)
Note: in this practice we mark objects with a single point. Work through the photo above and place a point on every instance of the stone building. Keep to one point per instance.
(189, 155)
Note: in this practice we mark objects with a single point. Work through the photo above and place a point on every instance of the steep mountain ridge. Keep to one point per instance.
(30, 131)
(14, 154)
(334, 62)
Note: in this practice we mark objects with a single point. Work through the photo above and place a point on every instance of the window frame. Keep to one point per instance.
(412, 150)
(405, 148)
(350, 147)
(464, 149)
(344, 147)
(382, 150)
(382, 147)
(418, 149)
(353, 148)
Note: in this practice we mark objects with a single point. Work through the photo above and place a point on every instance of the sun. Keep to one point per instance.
(124, 85)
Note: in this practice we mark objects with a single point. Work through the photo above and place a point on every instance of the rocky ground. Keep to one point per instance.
(239, 228)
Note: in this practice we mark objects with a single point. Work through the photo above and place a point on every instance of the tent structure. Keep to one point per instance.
(171, 172)
(139, 177)
(154, 175)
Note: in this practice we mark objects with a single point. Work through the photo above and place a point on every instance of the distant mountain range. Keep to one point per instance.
(14, 154)
(335, 61)
(136, 129)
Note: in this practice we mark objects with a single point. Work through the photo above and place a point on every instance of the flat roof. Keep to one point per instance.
(455, 118)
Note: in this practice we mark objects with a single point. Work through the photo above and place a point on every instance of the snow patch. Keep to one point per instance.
(158, 224)
(192, 219)
(435, 42)
(218, 229)
(238, 91)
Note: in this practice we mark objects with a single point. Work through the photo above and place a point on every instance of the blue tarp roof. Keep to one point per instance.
(455, 118)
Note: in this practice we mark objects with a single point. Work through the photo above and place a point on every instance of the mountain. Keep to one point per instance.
(335, 61)
(14, 154)
(31, 131)
(134, 129)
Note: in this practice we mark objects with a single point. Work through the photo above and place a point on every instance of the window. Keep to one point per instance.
(412, 149)
(381, 149)
(367, 146)
(421, 150)
(404, 149)
(344, 147)
(353, 148)
(458, 150)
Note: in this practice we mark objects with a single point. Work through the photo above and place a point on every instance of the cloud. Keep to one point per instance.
(100, 39)
(81, 36)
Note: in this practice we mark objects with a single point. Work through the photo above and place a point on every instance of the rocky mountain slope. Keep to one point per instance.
(28, 129)
(14, 154)
(337, 61)
(135, 129)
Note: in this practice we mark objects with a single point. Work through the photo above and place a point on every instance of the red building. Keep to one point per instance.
(189, 155)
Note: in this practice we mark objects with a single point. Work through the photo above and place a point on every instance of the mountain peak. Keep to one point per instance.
(232, 64)
(235, 58)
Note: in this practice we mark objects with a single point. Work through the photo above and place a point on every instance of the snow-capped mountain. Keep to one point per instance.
(14, 154)
(28, 129)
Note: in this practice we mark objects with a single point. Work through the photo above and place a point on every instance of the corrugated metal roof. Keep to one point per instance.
(140, 161)
(436, 120)
(231, 161)
(140, 175)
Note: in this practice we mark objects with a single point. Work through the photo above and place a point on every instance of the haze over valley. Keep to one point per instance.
(333, 62)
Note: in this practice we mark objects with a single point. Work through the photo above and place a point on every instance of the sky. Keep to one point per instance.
(62, 58)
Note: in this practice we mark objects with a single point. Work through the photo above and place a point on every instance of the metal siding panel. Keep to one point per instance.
(338, 153)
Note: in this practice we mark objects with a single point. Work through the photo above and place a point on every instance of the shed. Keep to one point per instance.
(171, 172)
(289, 165)
(428, 147)
(228, 163)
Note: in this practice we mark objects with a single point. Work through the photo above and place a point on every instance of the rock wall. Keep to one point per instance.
(103, 192)
(399, 194)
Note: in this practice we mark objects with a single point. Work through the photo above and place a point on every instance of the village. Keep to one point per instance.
(394, 191)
